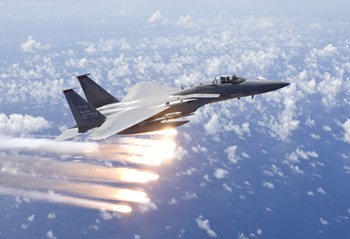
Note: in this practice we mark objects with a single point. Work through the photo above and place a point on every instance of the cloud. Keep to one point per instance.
(199, 149)
(220, 173)
(310, 193)
(326, 51)
(106, 215)
(172, 201)
(259, 231)
(286, 122)
(50, 235)
(267, 184)
(125, 11)
(231, 154)
(321, 191)
(157, 19)
(212, 126)
(346, 128)
(273, 171)
(204, 225)
(186, 22)
(148, 207)
(315, 136)
(295, 169)
(330, 87)
(239, 130)
(180, 153)
(323, 221)
(51, 215)
(309, 86)
(213, 66)
(189, 196)
(32, 45)
(227, 188)
(18, 124)
(242, 236)
(327, 128)
(300, 153)
(245, 155)
(31, 218)
(105, 45)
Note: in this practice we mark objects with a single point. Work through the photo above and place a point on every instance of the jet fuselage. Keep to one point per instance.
(181, 105)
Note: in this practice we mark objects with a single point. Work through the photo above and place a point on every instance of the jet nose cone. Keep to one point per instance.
(274, 85)
(280, 85)
(271, 85)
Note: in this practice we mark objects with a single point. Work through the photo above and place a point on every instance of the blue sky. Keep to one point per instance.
(272, 167)
(109, 8)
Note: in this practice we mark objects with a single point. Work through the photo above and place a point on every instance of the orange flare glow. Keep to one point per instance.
(138, 177)
(165, 132)
(140, 150)
(131, 196)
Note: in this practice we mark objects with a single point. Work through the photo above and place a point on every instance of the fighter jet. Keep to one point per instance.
(149, 106)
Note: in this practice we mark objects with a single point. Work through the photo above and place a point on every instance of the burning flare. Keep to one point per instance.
(84, 183)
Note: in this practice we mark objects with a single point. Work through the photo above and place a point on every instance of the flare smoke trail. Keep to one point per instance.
(46, 167)
(127, 149)
(21, 174)
(68, 200)
(47, 145)
(81, 189)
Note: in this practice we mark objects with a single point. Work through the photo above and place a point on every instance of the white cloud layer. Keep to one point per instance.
(32, 45)
(219, 46)
(18, 124)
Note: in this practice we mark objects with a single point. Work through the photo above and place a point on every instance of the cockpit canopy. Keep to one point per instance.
(229, 79)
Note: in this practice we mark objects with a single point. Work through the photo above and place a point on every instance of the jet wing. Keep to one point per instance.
(147, 89)
(69, 133)
(124, 120)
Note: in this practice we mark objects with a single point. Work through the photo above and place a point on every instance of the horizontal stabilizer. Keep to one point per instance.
(95, 94)
(69, 133)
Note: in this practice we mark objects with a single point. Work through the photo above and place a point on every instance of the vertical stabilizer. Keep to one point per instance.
(86, 116)
(95, 94)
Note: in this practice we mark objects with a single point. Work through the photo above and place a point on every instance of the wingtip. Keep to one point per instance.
(68, 90)
(84, 76)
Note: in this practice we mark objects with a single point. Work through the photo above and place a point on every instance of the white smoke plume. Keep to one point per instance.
(24, 171)
(53, 197)
(88, 190)
(47, 167)
(47, 146)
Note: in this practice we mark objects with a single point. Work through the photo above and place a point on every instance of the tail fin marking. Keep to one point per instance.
(86, 116)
